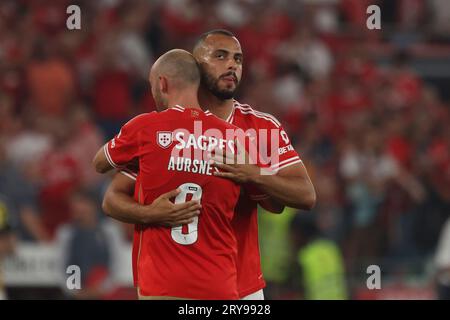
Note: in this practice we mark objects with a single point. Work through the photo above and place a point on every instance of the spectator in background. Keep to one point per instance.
(112, 92)
(276, 251)
(60, 176)
(439, 162)
(30, 140)
(288, 89)
(320, 267)
(328, 211)
(135, 56)
(368, 171)
(442, 263)
(232, 13)
(306, 50)
(181, 19)
(441, 19)
(7, 240)
(405, 84)
(84, 144)
(260, 93)
(265, 28)
(355, 11)
(323, 14)
(16, 186)
(9, 125)
(50, 80)
(436, 173)
(365, 171)
(90, 243)
(348, 104)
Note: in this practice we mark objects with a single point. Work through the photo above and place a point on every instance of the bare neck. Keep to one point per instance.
(220, 108)
(186, 99)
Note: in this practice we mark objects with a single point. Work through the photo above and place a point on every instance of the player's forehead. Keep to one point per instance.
(214, 42)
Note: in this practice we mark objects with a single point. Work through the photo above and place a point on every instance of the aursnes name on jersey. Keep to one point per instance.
(189, 165)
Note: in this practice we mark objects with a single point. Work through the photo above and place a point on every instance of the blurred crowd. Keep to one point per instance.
(372, 131)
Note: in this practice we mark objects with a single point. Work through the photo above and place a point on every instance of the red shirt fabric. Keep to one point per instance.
(197, 261)
(245, 221)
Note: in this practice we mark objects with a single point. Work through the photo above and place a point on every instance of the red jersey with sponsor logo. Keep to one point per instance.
(275, 149)
(245, 221)
(196, 261)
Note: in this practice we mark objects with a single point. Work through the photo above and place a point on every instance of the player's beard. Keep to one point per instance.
(212, 85)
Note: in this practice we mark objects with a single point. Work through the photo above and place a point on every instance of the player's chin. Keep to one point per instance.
(226, 94)
(228, 90)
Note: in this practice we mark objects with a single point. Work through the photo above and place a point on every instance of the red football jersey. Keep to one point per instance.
(274, 146)
(245, 221)
(196, 261)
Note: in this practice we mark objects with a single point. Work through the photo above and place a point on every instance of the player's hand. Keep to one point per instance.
(239, 173)
(165, 213)
(238, 167)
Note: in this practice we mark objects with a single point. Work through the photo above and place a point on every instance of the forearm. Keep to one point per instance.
(119, 204)
(271, 205)
(123, 207)
(296, 192)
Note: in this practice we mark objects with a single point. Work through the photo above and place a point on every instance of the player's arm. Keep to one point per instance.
(271, 205)
(290, 186)
(119, 204)
(124, 147)
(100, 161)
(286, 181)
(102, 165)
(264, 200)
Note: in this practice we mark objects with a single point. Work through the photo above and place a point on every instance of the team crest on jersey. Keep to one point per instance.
(164, 139)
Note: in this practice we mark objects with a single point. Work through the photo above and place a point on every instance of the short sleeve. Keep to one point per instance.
(130, 172)
(276, 151)
(124, 147)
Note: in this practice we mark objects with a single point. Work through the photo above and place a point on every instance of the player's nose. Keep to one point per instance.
(232, 65)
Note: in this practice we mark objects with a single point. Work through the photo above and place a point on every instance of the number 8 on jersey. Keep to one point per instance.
(177, 234)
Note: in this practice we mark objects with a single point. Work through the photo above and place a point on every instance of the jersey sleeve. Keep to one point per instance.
(124, 147)
(130, 171)
(277, 151)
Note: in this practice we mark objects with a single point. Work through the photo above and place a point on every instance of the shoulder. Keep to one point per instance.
(263, 119)
(140, 121)
(142, 118)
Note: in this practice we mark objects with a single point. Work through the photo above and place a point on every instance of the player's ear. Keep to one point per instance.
(163, 84)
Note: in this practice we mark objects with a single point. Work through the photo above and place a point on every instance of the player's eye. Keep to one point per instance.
(238, 59)
(220, 55)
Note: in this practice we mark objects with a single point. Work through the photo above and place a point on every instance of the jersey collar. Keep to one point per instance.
(230, 117)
